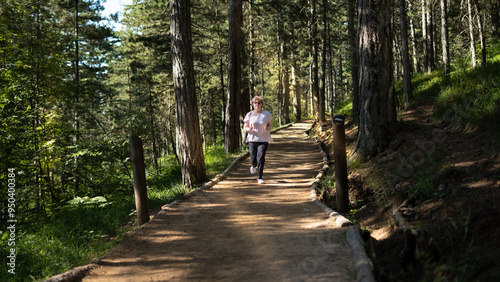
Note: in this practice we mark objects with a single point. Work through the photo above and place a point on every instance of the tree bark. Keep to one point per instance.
(281, 66)
(286, 93)
(377, 97)
(314, 67)
(76, 122)
(251, 43)
(471, 35)
(425, 49)
(322, 70)
(244, 87)
(444, 39)
(152, 124)
(416, 65)
(407, 88)
(188, 128)
(354, 62)
(428, 36)
(431, 35)
(286, 76)
(495, 19)
(232, 123)
(297, 109)
(481, 35)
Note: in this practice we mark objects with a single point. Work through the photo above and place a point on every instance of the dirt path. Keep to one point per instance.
(241, 231)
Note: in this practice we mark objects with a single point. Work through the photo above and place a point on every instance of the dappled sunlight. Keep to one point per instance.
(319, 224)
(464, 164)
(267, 232)
(483, 184)
(382, 233)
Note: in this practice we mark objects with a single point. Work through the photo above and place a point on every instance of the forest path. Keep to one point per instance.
(241, 231)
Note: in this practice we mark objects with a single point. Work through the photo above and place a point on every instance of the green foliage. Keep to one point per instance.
(345, 110)
(164, 184)
(75, 234)
(470, 96)
(217, 160)
(426, 86)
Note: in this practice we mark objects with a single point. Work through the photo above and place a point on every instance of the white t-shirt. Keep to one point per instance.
(259, 121)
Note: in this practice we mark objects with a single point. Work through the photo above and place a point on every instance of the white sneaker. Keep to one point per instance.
(252, 170)
(260, 181)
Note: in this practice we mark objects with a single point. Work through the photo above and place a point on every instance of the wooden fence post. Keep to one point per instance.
(139, 170)
(339, 151)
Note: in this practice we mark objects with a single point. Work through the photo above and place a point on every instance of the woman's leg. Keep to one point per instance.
(252, 147)
(261, 157)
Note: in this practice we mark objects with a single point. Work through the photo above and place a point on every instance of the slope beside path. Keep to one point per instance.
(241, 231)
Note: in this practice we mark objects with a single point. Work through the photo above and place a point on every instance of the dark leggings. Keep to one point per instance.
(258, 155)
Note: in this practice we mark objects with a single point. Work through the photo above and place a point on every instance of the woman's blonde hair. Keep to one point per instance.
(255, 98)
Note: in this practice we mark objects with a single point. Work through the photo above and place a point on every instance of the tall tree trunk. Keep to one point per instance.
(171, 129)
(333, 83)
(481, 35)
(429, 38)
(341, 70)
(188, 128)
(322, 81)
(280, 87)
(430, 34)
(354, 61)
(416, 65)
(221, 77)
(222, 93)
(286, 92)
(285, 72)
(407, 88)
(152, 124)
(263, 91)
(310, 99)
(76, 122)
(213, 121)
(471, 35)
(495, 19)
(396, 46)
(314, 67)
(233, 130)
(251, 43)
(378, 102)
(244, 88)
(297, 110)
(425, 49)
(444, 39)
(281, 67)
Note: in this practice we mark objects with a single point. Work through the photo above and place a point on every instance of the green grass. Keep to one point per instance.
(470, 96)
(85, 228)
(82, 230)
(473, 95)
